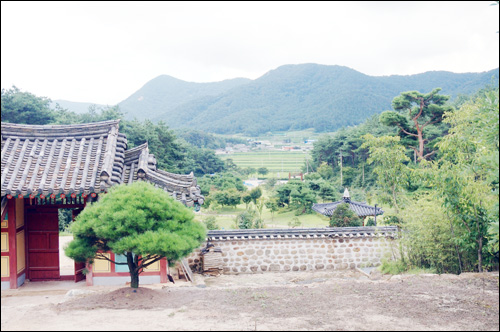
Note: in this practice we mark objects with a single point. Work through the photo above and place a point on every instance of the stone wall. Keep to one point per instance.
(257, 251)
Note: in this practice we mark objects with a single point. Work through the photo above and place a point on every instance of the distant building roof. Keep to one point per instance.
(82, 159)
(361, 209)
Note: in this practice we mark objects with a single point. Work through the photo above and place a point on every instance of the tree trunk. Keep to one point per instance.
(420, 153)
(480, 255)
(394, 198)
(134, 279)
(133, 270)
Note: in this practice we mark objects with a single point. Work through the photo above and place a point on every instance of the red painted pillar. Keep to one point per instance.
(163, 270)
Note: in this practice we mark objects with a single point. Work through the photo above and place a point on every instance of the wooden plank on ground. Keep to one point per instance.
(187, 270)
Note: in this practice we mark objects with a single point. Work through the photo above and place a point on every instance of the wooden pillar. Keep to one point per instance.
(163, 270)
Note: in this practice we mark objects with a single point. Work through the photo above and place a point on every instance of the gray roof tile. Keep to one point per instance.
(361, 209)
(81, 159)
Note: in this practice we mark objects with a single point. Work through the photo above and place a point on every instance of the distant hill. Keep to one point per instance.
(290, 97)
(74, 106)
(325, 98)
(164, 93)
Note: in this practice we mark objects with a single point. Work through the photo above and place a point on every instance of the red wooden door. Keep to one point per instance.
(43, 245)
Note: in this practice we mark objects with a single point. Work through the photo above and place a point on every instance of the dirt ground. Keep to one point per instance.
(328, 300)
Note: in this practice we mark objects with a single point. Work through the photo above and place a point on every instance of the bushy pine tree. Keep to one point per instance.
(139, 221)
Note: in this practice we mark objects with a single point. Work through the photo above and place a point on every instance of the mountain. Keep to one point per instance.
(74, 106)
(290, 97)
(294, 97)
(164, 93)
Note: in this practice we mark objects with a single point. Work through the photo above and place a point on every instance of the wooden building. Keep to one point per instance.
(362, 210)
(46, 168)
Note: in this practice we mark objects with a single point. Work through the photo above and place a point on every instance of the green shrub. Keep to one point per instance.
(393, 266)
(343, 216)
(249, 219)
(211, 223)
(370, 222)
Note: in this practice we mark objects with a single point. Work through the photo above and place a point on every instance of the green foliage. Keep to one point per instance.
(204, 140)
(246, 198)
(135, 220)
(262, 170)
(211, 223)
(389, 158)
(172, 154)
(164, 94)
(466, 176)
(200, 161)
(270, 183)
(370, 221)
(325, 171)
(419, 111)
(220, 181)
(393, 266)
(255, 194)
(25, 107)
(249, 219)
(292, 97)
(327, 192)
(296, 195)
(343, 216)
(428, 237)
(493, 238)
(272, 205)
(229, 197)
(392, 220)
(65, 218)
(347, 144)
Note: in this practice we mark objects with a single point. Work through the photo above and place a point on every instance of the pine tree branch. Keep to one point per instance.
(406, 132)
(429, 154)
(102, 256)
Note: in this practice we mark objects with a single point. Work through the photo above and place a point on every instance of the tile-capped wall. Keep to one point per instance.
(298, 251)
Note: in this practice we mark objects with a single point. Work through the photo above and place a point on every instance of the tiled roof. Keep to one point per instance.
(361, 209)
(59, 159)
(140, 164)
(297, 233)
(81, 159)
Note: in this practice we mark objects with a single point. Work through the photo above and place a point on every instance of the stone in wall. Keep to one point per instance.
(258, 255)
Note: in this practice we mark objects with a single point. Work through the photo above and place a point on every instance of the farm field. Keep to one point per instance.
(279, 163)
(295, 137)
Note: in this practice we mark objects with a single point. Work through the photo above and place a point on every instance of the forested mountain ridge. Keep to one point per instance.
(326, 98)
(163, 93)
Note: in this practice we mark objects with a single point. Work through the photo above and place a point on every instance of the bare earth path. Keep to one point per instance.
(336, 300)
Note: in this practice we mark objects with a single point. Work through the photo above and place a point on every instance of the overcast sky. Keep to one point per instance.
(102, 52)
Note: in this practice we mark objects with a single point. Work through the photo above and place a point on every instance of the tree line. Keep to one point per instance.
(172, 153)
(436, 164)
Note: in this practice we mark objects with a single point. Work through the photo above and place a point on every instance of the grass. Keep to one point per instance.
(398, 267)
(279, 163)
(225, 216)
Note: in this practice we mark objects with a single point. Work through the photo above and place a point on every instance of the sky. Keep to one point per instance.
(102, 52)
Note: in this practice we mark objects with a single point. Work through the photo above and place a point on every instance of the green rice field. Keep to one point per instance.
(279, 163)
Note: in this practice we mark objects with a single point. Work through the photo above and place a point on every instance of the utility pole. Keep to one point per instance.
(341, 169)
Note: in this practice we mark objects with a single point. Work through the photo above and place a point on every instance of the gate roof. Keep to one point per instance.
(82, 159)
